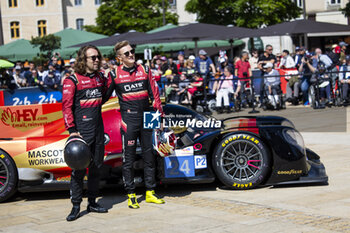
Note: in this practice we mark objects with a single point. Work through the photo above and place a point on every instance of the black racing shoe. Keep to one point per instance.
(74, 214)
(94, 207)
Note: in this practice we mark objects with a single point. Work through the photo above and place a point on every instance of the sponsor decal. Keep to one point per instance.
(133, 86)
(290, 172)
(85, 82)
(236, 137)
(45, 157)
(93, 93)
(131, 142)
(184, 151)
(242, 185)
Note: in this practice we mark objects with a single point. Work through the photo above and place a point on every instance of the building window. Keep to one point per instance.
(97, 2)
(42, 28)
(80, 24)
(334, 2)
(13, 3)
(77, 2)
(172, 2)
(14, 30)
(299, 3)
(40, 2)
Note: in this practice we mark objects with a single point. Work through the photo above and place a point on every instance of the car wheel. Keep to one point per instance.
(8, 176)
(241, 161)
(212, 105)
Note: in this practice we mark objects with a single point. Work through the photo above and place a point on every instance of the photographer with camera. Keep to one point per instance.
(306, 68)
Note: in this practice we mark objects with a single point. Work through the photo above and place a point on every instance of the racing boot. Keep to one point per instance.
(151, 197)
(74, 214)
(94, 207)
(132, 201)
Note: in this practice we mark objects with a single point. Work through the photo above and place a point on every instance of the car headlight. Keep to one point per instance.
(287, 123)
(294, 137)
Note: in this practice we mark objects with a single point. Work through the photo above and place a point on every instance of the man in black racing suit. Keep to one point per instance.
(134, 85)
(81, 107)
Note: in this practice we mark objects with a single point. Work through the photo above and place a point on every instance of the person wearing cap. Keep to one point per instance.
(299, 54)
(344, 79)
(343, 46)
(334, 56)
(272, 83)
(204, 64)
(72, 63)
(19, 78)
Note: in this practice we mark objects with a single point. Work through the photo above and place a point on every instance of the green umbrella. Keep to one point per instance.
(5, 64)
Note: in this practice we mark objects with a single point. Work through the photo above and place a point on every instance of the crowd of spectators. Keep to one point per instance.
(182, 77)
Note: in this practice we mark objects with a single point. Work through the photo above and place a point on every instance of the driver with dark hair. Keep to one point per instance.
(81, 106)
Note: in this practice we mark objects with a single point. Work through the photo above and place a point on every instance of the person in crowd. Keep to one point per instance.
(72, 63)
(86, 122)
(19, 77)
(67, 68)
(52, 80)
(170, 65)
(105, 67)
(41, 71)
(6, 80)
(272, 84)
(278, 61)
(264, 58)
(343, 47)
(203, 64)
(189, 68)
(183, 86)
(180, 62)
(287, 61)
(253, 60)
(243, 72)
(195, 85)
(334, 55)
(172, 87)
(306, 68)
(344, 79)
(299, 54)
(28, 73)
(35, 79)
(224, 87)
(134, 101)
(57, 62)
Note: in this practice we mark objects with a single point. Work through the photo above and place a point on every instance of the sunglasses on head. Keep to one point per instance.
(128, 53)
(93, 58)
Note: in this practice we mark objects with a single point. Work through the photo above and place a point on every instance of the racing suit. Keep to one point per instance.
(81, 107)
(134, 86)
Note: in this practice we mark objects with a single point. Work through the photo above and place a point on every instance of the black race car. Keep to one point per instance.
(242, 152)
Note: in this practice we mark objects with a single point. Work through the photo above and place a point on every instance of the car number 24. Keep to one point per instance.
(183, 166)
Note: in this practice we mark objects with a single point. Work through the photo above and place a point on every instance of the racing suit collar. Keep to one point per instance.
(90, 75)
(129, 69)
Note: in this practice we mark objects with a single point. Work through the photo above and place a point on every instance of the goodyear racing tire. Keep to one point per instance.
(8, 176)
(241, 161)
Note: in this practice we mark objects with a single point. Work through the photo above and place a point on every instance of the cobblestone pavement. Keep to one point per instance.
(206, 207)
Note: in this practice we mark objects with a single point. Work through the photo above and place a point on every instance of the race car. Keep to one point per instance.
(241, 152)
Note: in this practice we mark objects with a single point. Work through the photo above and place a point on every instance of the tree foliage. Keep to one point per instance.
(243, 13)
(47, 43)
(119, 16)
(346, 10)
